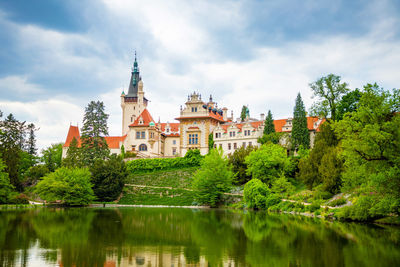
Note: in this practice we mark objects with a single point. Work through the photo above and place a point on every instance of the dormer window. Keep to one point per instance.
(167, 130)
(194, 109)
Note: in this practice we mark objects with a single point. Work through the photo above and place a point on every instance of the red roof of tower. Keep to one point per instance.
(146, 117)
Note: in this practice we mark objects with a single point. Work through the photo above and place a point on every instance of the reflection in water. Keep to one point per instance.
(185, 237)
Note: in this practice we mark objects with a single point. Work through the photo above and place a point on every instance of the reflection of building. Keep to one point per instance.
(197, 121)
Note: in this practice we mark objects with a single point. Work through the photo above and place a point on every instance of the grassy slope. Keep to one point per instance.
(177, 179)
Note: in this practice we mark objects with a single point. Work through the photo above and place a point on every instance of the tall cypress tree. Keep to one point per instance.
(31, 142)
(269, 126)
(300, 134)
(94, 145)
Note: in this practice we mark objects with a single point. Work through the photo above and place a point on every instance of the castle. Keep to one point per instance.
(198, 120)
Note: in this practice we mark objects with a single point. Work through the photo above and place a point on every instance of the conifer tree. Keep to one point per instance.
(300, 134)
(269, 126)
(244, 113)
(94, 145)
(31, 142)
(73, 158)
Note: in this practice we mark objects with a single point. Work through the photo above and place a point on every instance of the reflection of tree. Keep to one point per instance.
(214, 233)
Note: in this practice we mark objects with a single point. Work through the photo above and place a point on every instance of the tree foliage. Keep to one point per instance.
(210, 141)
(12, 145)
(370, 139)
(71, 186)
(34, 174)
(300, 135)
(268, 162)
(314, 168)
(214, 178)
(329, 91)
(6, 188)
(108, 178)
(348, 103)
(269, 126)
(74, 155)
(244, 113)
(239, 166)
(255, 193)
(93, 143)
(52, 156)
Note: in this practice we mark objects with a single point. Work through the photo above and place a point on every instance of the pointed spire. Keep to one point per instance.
(135, 78)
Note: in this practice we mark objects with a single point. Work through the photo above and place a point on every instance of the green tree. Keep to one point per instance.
(300, 135)
(74, 155)
(349, 103)
(108, 178)
(71, 186)
(31, 142)
(370, 139)
(269, 126)
(52, 156)
(34, 174)
(314, 170)
(12, 142)
(329, 92)
(6, 189)
(282, 187)
(94, 145)
(213, 179)
(255, 194)
(210, 141)
(268, 162)
(239, 166)
(244, 113)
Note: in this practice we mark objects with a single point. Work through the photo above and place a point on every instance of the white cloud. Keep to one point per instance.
(18, 86)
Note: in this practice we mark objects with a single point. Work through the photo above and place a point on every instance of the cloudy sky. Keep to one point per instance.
(56, 56)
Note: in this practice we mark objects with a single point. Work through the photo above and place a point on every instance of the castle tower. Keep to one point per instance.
(134, 102)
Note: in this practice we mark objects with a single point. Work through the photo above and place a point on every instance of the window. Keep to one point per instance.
(151, 135)
(142, 147)
(194, 109)
(249, 143)
(229, 146)
(174, 142)
(142, 135)
(232, 134)
(244, 144)
(246, 132)
(193, 139)
(216, 135)
(174, 150)
(167, 130)
(234, 146)
(137, 135)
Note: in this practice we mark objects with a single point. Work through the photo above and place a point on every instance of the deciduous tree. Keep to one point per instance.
(329, 91)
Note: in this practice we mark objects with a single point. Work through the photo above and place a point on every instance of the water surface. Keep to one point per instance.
(188, 237)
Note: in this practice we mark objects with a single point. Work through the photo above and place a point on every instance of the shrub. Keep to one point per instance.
(69, 185)
(267, 162)
(108, 178)
(282, 186)
(313, 207)
(214, 178)
(129, 154)
(337, 202)
(191, 159)
(255, 194)
(272, 200)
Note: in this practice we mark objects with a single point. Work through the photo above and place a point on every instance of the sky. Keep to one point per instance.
(57, 56)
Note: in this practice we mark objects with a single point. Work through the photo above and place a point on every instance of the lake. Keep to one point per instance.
(188, 237)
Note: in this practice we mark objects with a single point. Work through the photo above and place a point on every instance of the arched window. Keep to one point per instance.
(142, 147)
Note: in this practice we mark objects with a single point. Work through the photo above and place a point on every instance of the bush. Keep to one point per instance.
(191, 159)
(237, 159)
(19, 199)
(213, 179)
(313, 207)
(255, 194)
(6, 188)
(71, 186)
(129, 154)
(337, 202)
(282, 186)
(108, 178)
(272, 200)
(268, 162)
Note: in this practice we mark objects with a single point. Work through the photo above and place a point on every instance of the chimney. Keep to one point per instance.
(225, 114)
(262, 116)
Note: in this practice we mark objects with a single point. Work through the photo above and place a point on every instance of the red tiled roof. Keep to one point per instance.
(73, 132)
(113, 141)
(279, 125)
(174, 127)
(210, 115)
(146, 117)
